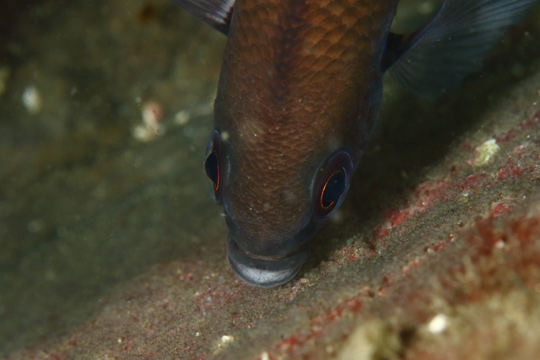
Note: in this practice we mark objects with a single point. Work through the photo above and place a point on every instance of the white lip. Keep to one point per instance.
(263, 278)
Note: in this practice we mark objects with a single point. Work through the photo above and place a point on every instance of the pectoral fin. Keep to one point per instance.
(216, 13)
(436, 58)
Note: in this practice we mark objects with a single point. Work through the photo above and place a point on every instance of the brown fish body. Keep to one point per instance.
(300, 79)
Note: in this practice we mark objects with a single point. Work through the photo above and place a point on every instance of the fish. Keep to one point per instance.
(298, 96)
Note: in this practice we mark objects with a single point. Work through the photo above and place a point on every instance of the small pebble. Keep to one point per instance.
(31, 99)
(438, 324)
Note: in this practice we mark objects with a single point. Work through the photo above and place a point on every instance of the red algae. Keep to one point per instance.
(471, 183)
(525, 125)
(502, 207)
(316, 329)
(425, 196)
(511, 170)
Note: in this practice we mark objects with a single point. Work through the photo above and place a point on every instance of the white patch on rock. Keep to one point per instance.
(485, 152)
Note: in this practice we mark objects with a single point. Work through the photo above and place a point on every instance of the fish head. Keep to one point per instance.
(277, 186)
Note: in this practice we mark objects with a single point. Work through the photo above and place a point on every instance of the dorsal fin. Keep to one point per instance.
(453, 44)
(216, 13)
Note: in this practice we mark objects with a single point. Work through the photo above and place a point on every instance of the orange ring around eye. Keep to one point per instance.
(215, 178)
(216, 184)
(342, 171)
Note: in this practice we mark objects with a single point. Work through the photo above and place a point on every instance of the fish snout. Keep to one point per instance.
(264, 271)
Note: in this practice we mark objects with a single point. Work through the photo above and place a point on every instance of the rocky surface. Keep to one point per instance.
(112, 248)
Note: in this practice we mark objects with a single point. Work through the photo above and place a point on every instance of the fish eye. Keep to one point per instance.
(333, 183)
(212, 165)
(333, 189)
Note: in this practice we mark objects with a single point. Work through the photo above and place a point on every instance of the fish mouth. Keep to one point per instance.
(265, 271)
